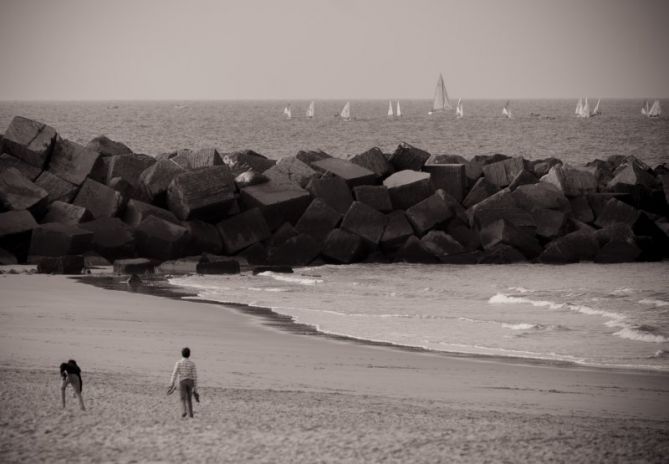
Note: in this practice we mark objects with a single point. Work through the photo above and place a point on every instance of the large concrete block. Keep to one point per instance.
(430, 212)
(504, 232)
(616, 212)
(283, 233)
(376, 196)
(99, 199)
(203, 238)
(156, 178)
(17, 192)
(160, 239)
(502, 173)
(318, 220)
(365, 222)
(407, 188)
(30, 141)
(451, 178)
(581, 210)
(351, 173)
(205, 157)
(632, 173)
(502, 254)
(71, 161)
(16, 222)
(278, 201)
(541, 195)
(107, 147)
(245, 160)
(333, 190)
(343, 247)
(28, 170)
(136, 211)
(618, 251)
(524, 177)
(134, 266)
(298, 250)
(665, 186)
(440, 244)
(129, 167)
(67, 265)
(472, 170)
(242, 230)
(291, 170)
(541, 167)
(573, 247)
(66, 213)
(408, 157)
(56, 239)
(415, 251)
(248, 178)
(57, 188)
(375, 161)
(481, 190)
(501, 205)
(7, 258)
(112, 238)
(571, 180)
(311, 156)
(397, 231)
(550, 223)
(207, 194)
(466, 236)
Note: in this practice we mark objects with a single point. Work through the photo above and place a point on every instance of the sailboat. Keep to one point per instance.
(287, 112)
(655, 110)
(440, 103)
(506, 111)
(346, 112)
(398, 113)
(645, 109)
(390, 109)
(579, 107)
(311, 110)
(596, 111)
(583, 108)
(459, 111)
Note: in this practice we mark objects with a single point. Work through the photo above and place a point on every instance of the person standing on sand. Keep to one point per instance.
(71, 374)
(186, 372)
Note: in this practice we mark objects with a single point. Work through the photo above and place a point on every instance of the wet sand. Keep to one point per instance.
(270, 394)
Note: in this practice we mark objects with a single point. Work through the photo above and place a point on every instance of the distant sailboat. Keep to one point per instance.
(287, 112)
(596, 111)
(655, 110)
(390, 109)
(645, 109)
(459, 111)
(583, 108)
(579, 107)
(311, 110)
(440, 103)
(398, 113)
(346, 112)
(506, 111)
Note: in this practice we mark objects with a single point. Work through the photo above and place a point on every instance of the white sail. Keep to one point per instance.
(398, 113)
(311, 110)
(505, 111)
(585, 111)
(459, 110)
(645, 109)
(596, 111)
(346, 111)
(287, 112)
(390, 108)
(579, 107)
(655, 110)
(440, 103)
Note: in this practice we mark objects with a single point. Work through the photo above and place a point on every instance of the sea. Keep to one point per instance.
(608, 316)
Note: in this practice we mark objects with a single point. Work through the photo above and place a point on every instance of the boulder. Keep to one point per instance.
(127, 190)
(376, 196)
(351, 173)
(374, 160)
(472, 170)
(632, 173)
(601, 170)
(318, 220)
(407, 188)
(112, 238)
(99, 199)
(136, 211)
(182, 157)
(129, 167)
(524, 177)
(66, 213)
(343, 247)
(291, 170)
(397, 231)
(364, 221)
(664, 179)
(7, 258)
(333, 190)
(243, 230)
(54, 239)
(408, 157)
(618, 251)
(17, 193)
(68, 265)
(160, 239)
(466, 236)
(615, 211)
(655, 243)
(541, 196)
(255, 254)
(311, 156)
(29, 140)
(415, 251)
(71, 161)
(92, 259)
(134, 266)
(57, 188)
(571, 180)
(430, 212)
(502, 173)
(283, 233)
(180, 266)
(481, 190)
(573, 247)
(580, 208)
(156, 178)
(501, 205)
(440, 244)
(598, 201)
(550, 223)
(278, 201)
(29, 171)
(250, 177)
(451, 178)
(484, 160)
(207, 194)
(245, 160)
(203, 238)
(16, 222)
(502, 254)
(504, 232)
(227, 266)
(298, 250)
(541, 167)
(106, 148)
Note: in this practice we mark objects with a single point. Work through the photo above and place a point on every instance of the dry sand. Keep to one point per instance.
(272, 395)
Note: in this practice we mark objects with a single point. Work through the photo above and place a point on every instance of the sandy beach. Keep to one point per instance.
(270, 394)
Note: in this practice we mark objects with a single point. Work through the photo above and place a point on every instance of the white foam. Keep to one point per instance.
(501, 298)
(519, 289)
(520, 326)
(292, 280)
(640, 335)
(653, 302)
(268, 289)
(622, 291)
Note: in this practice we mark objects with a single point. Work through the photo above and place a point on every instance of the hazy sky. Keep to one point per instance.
(340, 49)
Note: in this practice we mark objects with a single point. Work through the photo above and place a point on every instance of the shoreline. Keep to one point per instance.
(159, 286)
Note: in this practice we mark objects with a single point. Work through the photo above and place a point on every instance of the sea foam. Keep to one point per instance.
(289, 279)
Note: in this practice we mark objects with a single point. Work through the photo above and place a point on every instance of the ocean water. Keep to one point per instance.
(588, 314)
(540, 129)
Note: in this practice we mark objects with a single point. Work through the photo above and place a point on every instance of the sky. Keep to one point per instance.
(332, 49)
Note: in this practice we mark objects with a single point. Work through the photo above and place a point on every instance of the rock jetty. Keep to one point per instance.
(64, 205)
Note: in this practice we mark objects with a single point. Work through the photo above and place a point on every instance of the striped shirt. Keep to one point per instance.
(185, 369)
